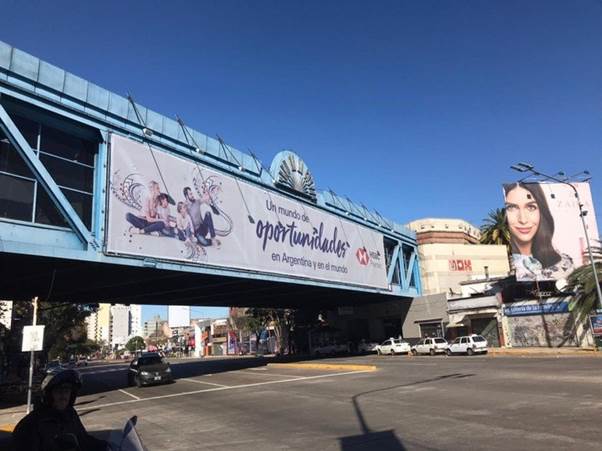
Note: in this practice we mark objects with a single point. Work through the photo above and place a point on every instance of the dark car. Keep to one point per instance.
(54, 366)
(149, 368)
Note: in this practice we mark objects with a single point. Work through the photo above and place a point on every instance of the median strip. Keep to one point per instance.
(7, 427)
(325, 366)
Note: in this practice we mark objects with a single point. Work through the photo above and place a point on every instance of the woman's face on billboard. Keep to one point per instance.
(523, 215)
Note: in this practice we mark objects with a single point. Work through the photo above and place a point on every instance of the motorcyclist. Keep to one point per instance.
(54, 425)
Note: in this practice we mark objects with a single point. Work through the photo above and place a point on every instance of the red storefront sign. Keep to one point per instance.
(460, 265)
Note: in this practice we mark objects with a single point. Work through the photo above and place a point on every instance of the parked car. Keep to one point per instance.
(393, 346)
(330, 349)
(430, 346)
(77, 361)
(469, 344)
(149, 368)
(54, 366)
(367, 346)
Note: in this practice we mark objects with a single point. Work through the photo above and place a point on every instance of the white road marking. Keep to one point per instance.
(256, 384)
(203, 382)
(266, 374)
(137, 398)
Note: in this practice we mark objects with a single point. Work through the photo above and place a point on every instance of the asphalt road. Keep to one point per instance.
(413, 403)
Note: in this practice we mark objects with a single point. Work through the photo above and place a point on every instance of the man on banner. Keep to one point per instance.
(202, 223)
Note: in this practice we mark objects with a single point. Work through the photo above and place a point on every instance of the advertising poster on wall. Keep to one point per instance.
(171, 208)
(596, 323)
(547, 237)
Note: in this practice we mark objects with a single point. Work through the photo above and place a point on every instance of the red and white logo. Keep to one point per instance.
(362, 256)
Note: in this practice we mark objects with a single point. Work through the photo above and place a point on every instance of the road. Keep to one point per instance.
(413, 403)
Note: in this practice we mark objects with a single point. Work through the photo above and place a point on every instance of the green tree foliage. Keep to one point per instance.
(65, 330)
(495, 228)
(135, 344)
(581, 281)
(281, 320)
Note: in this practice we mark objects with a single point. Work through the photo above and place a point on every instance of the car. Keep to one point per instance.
(54, 366)
(469, 344)
(393, 346)
(432, 346)
(367, 346)
(149, 368)
(78, 361)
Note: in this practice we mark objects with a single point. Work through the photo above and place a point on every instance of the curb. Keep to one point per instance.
(7, 427)
(581, 353)
(324, 366)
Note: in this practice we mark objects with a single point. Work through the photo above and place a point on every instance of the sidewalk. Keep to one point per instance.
(544, 352)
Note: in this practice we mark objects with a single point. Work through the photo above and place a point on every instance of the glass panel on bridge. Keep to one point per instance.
(69, 158)
(46, 212)
(16, 197)
(10, 160)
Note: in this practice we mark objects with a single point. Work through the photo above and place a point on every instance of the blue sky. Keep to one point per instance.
(415, 108)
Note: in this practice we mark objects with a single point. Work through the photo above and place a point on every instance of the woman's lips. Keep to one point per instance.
(523, 230)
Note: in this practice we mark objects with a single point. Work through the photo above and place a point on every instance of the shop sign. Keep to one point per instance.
(460, 264)
(536, 309)
(596, 322)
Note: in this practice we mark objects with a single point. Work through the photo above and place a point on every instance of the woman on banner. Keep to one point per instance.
(147, 221)
(531, 231)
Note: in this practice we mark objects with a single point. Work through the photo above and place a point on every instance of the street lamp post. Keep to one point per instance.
(526, 167)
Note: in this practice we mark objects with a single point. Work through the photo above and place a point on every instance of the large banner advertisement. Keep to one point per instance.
(166, 207)
(547, 237)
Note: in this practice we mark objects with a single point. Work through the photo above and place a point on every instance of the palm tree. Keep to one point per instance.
(581, 281)
(495, 228)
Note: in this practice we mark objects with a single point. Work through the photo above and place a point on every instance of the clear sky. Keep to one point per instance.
(415, 108)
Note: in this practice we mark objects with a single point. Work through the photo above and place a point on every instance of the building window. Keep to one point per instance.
(68, 152)
(428, 330)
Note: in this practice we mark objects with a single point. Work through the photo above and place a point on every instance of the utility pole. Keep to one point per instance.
(31, 355)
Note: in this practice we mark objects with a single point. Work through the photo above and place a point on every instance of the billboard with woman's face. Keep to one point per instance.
(547, 237)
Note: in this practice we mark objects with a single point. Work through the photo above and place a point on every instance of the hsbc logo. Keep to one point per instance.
(363, 256)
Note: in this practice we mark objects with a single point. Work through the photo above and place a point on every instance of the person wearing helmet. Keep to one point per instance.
(54, 424)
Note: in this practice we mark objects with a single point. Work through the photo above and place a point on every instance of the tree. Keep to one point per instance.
(65, 327)
(135, 344)
(495, 228)
(281, 320)
(581, 281)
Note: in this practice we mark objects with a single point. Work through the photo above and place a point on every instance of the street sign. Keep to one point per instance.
(33, 338)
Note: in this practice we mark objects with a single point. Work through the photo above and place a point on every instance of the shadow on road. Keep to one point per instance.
(383, 440)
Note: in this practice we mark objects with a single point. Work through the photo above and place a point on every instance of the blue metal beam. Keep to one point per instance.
(394, 263)
(409, 270)
(44, 178)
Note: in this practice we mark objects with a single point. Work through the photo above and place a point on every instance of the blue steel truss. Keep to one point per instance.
(50, 88)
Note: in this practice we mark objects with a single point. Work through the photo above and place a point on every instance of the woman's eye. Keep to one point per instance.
(531, 207)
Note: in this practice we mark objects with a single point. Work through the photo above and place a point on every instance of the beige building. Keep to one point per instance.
(450, 254)
(99, 324)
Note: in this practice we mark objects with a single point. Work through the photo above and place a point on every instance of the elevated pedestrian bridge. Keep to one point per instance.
(105, 200)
